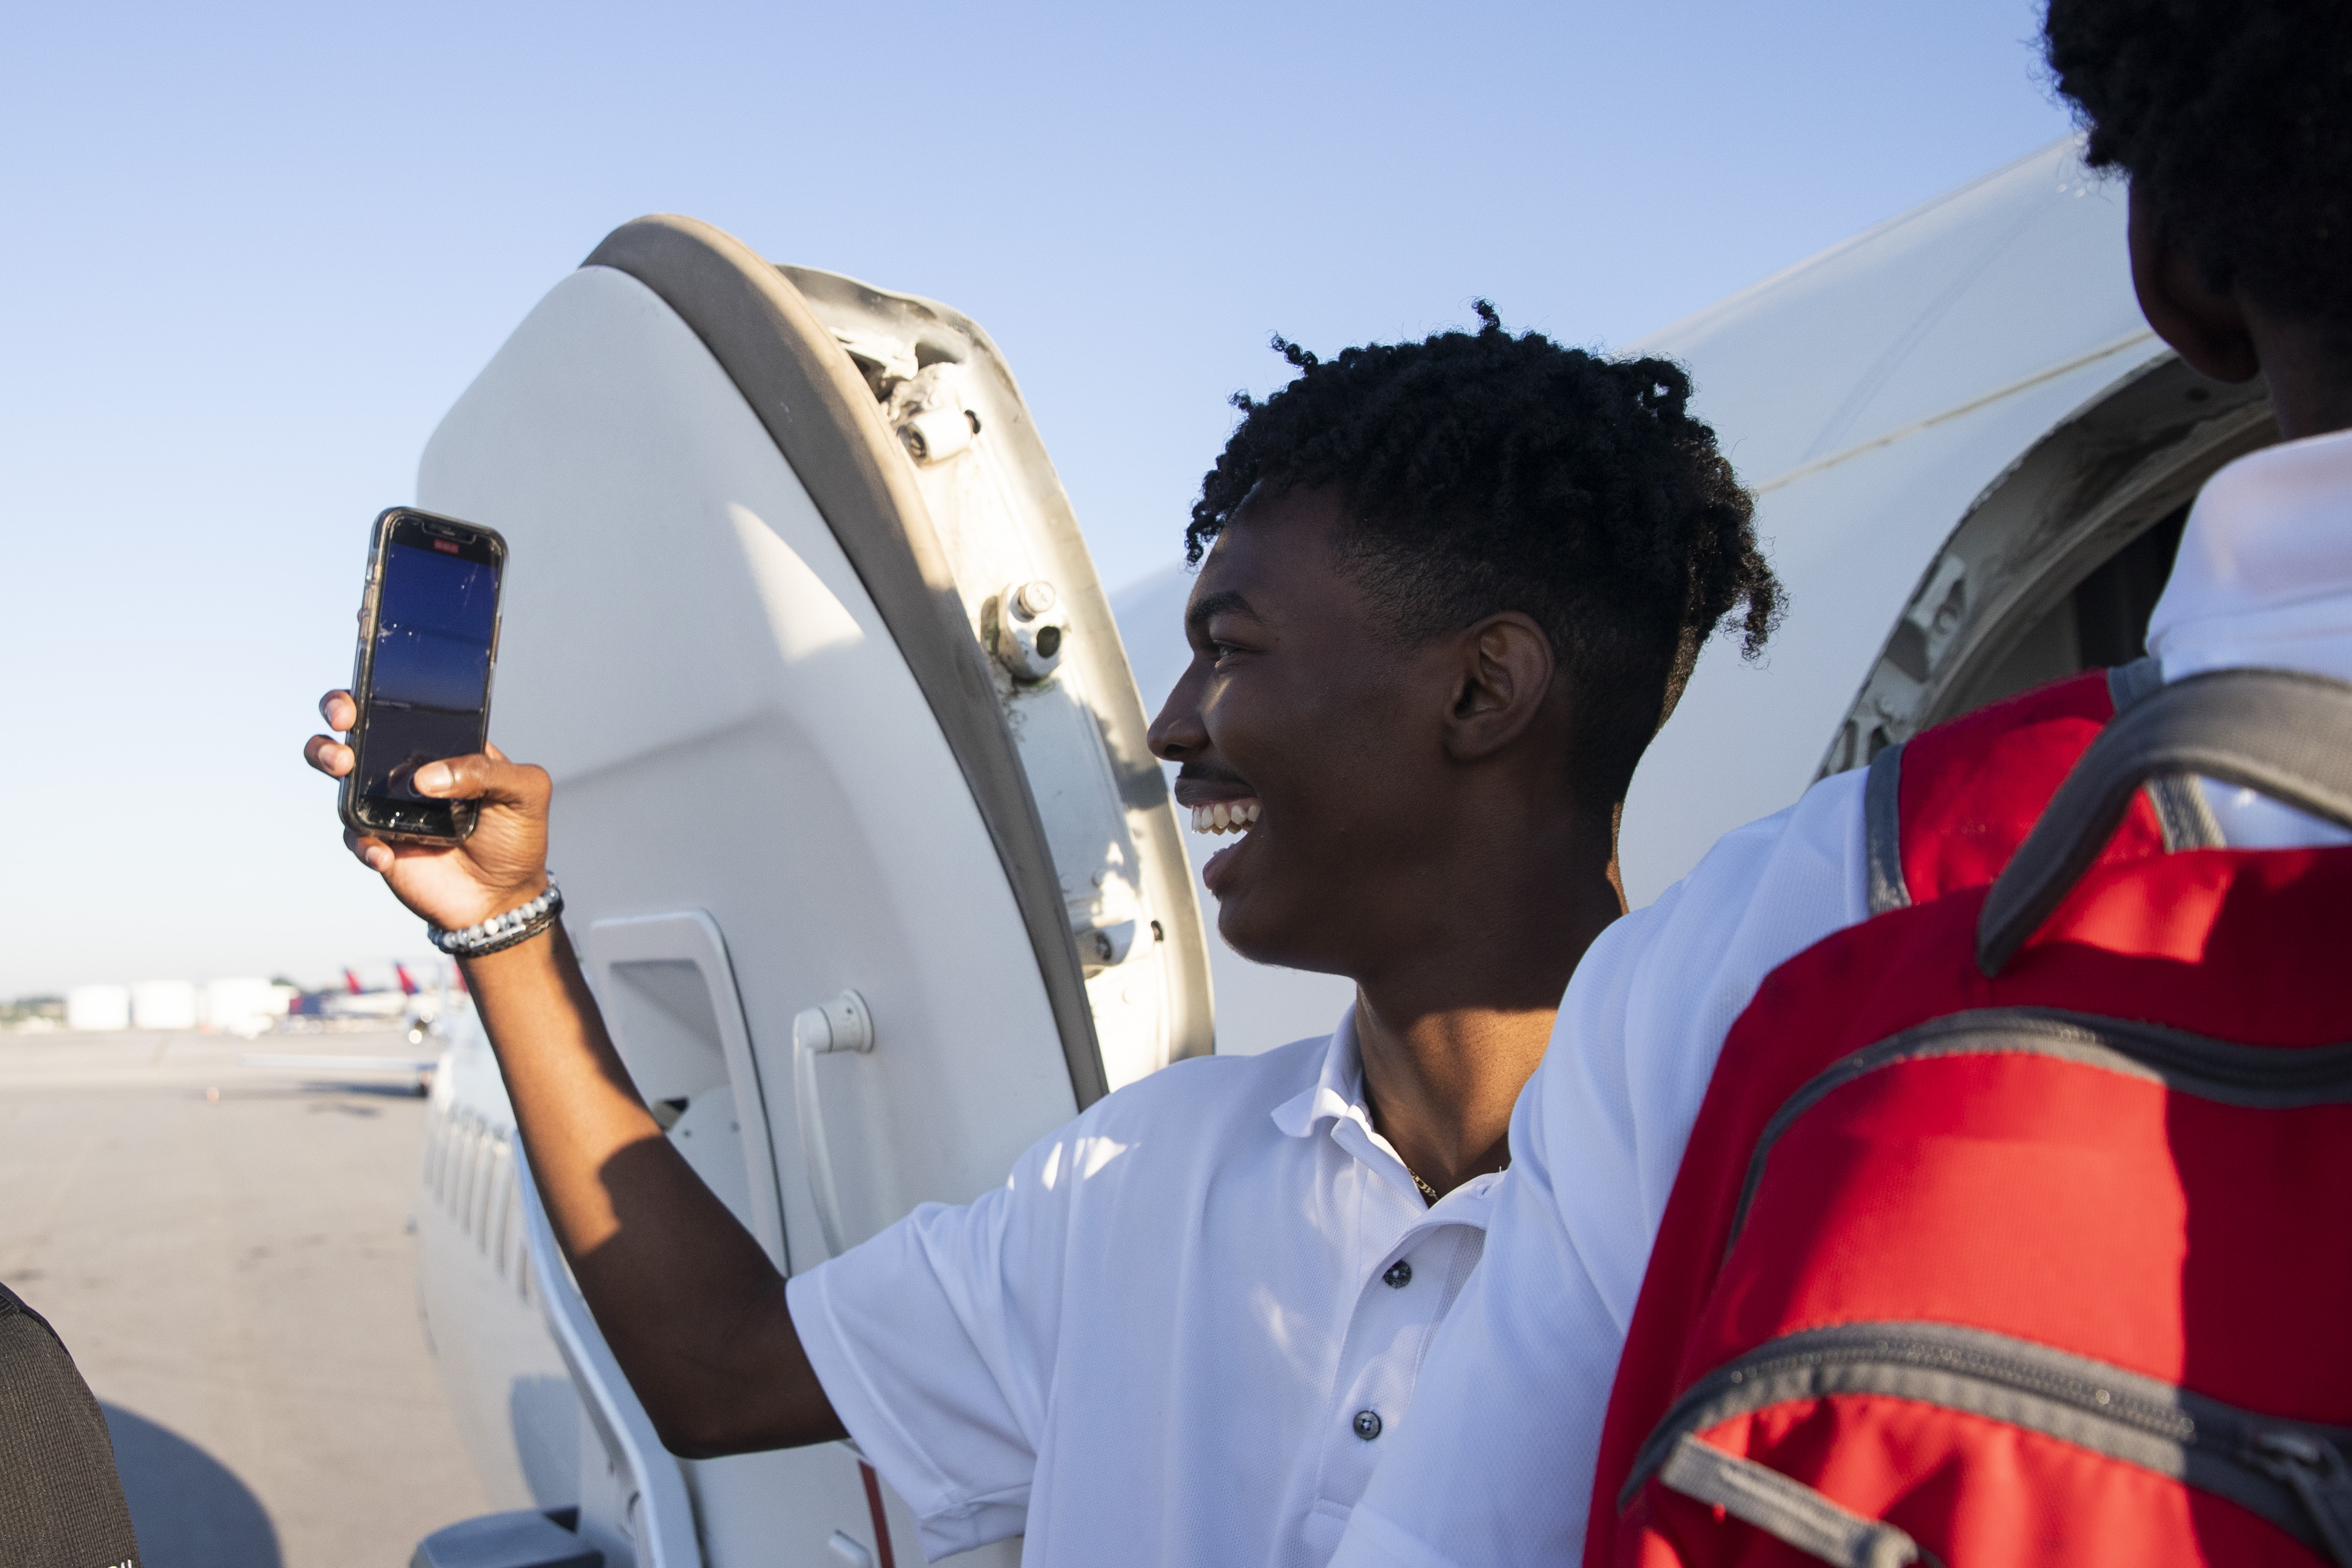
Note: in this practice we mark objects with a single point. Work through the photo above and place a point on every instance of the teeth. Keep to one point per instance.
(1224, 816)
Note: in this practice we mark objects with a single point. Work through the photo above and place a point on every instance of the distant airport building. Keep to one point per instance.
(245, 1006)
(241, 1006)
(163, 1004)
(98, 1007)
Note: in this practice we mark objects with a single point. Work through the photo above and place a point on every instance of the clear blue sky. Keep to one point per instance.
(252, 253)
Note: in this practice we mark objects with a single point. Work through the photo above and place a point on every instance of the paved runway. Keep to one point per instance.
(236, 1280)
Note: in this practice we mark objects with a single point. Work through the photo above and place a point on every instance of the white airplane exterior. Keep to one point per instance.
(874, 876)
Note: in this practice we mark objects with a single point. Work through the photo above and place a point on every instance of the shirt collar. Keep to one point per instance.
(1339, 1091)
(2263, 575)
(1336, 1104)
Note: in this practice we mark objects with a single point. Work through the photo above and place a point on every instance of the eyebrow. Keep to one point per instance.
(1224, 603)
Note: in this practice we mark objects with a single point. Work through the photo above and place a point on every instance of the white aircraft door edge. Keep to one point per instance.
(654, 1519)
(797, 374)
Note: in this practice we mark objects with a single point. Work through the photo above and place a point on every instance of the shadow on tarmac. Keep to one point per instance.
(189, 1509)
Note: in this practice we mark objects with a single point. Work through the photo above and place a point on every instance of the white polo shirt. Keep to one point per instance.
(1497, 1467)
(1180, 1333)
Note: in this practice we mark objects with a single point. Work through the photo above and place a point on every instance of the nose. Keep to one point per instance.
(1178, 735)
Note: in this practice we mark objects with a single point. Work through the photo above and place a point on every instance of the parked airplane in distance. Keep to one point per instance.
(841, 719)
(402, 1001)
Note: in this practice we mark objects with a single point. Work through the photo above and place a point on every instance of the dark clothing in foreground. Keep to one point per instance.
(61, 1504)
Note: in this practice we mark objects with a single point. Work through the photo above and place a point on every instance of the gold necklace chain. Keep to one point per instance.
(1430, 1192)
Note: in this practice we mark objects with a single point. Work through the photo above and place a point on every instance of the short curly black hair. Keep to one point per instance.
(1481, 472)
(2234, 119)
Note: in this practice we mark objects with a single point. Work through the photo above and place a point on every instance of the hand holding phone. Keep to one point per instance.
(459, 831)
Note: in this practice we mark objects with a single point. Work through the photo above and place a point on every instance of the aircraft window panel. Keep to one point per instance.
(453, 1155)
(510, 1242)
(462, 1178)
(436, 1124)
(469, 1174)
(438, 1179)
(454, 1176)
(493, 1187)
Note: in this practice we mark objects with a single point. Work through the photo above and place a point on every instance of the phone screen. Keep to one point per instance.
(428, 683)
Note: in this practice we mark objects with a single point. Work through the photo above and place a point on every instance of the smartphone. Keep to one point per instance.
(428, 644)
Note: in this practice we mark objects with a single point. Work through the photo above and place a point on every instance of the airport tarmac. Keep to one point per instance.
(235, 1280)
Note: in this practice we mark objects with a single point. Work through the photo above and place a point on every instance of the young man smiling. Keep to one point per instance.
(1450, 591)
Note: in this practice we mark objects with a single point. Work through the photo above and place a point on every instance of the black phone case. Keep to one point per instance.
(462, 814)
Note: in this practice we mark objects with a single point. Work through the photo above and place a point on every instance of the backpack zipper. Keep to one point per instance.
(2291, 1473)
(2258, 1077)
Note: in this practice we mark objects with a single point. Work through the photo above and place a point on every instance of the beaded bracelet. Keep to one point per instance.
(500, 932)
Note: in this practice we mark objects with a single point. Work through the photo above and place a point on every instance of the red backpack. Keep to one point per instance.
(2016, 1224)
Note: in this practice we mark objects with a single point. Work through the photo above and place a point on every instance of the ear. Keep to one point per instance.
(2209, 330)
(1503, 680)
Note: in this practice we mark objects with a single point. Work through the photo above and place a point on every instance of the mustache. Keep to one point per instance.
(1198, 773)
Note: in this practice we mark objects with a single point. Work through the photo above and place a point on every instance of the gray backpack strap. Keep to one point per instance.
(2281, 732)
(1788, 1509)
(1882, 831)
(2181, 813)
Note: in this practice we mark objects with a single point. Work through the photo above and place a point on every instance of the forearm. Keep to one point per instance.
(692, 1308)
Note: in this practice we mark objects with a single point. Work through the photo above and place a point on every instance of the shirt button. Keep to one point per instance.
(1368, 1425)
(1399, 1276)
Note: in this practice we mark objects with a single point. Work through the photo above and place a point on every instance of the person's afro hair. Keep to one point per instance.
(1479, 472)
(2234, 119)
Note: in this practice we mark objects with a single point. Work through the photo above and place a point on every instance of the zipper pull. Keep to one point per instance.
(2320, 1477)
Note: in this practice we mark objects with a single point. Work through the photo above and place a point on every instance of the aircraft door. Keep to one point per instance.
(2055, 567)
(877, 881)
